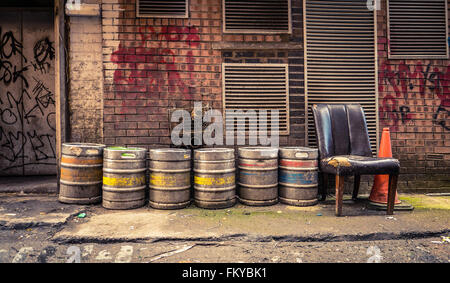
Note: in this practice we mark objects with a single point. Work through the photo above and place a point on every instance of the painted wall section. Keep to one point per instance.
(414, 102)
(85, 79)
(153, 66)
(27, 101)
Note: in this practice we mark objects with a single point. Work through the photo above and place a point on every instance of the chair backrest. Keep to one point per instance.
(341, 129)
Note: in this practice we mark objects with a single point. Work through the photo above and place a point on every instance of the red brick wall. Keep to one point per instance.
(410, 94)
(153, 66)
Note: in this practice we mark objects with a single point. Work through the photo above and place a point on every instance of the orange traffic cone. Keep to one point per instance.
(381, 183)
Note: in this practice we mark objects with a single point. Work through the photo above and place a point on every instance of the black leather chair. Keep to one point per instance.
(344, 150)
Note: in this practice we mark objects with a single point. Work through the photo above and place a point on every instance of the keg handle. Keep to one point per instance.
(127, 155)
(301, 154)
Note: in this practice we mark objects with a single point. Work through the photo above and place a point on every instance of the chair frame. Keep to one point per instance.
(392, 189)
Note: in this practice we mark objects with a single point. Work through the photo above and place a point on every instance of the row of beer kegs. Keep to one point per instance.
(127, 178)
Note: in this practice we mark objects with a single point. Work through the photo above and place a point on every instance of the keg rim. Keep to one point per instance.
(303, 148)
(121, 148)
(258, 152)
(169, 150)
(84, 145)
(258, 148)
(215, 149)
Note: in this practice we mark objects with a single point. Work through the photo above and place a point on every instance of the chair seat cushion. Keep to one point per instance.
(359, 165)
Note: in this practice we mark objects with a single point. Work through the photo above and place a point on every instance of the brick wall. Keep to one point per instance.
(156, 65)
(414, 102)
(85, 78)
(153, 66)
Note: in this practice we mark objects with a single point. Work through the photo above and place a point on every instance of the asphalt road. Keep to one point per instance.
(35, 245)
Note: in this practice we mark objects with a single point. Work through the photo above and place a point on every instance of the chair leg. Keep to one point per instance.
(391, 194)
(356, 187)
(324, 188)
(339, 194)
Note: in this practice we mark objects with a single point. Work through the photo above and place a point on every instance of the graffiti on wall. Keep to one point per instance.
(403, 79)
(152, 67)
(27, 105)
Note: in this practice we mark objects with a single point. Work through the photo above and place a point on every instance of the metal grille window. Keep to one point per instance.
(162, 8)
(340, 59)
(417, 29)
(258, 16)
(256, 87)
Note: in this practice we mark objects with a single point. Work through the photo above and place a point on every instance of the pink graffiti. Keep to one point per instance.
(151, 67)
(402, 78)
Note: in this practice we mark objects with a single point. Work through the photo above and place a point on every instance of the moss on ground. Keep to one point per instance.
(243, 213)
(427, 202)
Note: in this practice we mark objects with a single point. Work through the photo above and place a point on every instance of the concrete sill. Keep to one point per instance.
(90, 10)
(257, 46)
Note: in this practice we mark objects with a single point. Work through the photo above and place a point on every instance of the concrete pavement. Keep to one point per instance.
(254, 224)
(28, 184)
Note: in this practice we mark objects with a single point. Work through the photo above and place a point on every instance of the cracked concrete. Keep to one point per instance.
(28, 184)
(27, 211)
(280, 222)
(254, 224)
(37, 228)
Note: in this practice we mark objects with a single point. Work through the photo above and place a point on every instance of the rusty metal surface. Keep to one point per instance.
(124, 181)
(81, 173)
(169, 178)
(298, 176)
(258, 176)
(214, 178)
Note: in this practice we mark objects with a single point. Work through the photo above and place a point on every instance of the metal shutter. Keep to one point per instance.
(162, 8)
(256, 87)
(340, 59)
(262, 16)
(417, 29)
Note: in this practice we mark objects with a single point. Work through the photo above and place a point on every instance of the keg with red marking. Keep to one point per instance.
(298, 176)
(258, 176)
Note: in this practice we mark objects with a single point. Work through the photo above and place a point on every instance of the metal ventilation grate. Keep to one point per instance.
(256, 87)
(262, 16)
(162, 8)
(417, 29)
(340, 59)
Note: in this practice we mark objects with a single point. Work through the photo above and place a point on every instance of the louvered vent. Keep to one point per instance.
(257, 16)
(340, 58)
(256, 87)
(163, 8)
(418, 29)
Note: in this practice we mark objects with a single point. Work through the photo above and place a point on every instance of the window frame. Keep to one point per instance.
(284, 65)
(423, 56)
(186, 15)
(374, 143)
(255, 31)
